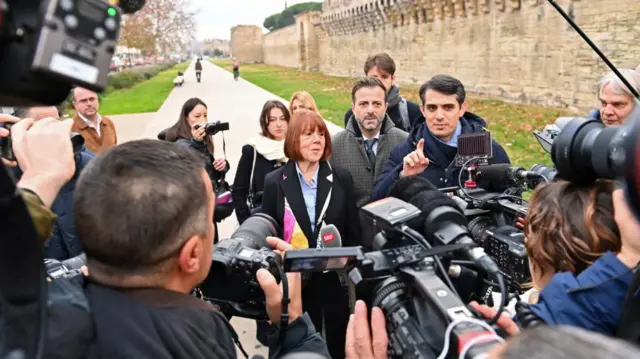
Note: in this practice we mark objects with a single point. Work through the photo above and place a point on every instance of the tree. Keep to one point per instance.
(287, 17)
(162, 26)
(218, 53)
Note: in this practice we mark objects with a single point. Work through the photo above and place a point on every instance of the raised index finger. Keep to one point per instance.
(420, 145)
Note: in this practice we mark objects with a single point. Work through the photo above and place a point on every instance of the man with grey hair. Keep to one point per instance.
(616, 100)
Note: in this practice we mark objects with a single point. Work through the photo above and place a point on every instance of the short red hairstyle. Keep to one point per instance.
(302, 121)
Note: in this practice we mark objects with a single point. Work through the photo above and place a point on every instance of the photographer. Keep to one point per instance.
(616, 101)
(143, 212)
(593, 299)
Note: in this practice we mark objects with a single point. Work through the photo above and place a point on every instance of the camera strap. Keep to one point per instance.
(253, 168)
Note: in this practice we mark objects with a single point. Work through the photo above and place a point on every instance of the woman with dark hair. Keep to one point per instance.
(260, 156)
(304, 196)
(569, 227)
(189, 131)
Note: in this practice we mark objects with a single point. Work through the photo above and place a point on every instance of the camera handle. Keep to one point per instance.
(594, 47)
(284, 316)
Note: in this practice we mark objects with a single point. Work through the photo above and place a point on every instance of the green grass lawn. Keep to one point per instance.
(511, 124)
(146, 96)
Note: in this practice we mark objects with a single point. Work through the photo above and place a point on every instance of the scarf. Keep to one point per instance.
(393, 96)
(272, 150)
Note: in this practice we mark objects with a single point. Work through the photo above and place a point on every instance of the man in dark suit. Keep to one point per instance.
(432, 146)
(365, 145)
(403, 113)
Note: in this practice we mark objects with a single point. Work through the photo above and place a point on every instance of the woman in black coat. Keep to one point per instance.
(189, 131)
(303, 196)
(260, 156)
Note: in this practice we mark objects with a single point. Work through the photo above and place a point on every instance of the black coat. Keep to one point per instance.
(241, 189)
(323, 296)
(342, 211)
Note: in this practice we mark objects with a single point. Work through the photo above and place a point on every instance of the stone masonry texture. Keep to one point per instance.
(517, 50)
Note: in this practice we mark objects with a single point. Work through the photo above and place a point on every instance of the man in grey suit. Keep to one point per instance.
(365, 144)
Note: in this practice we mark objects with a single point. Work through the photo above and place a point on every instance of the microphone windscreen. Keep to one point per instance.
(427, 201)
(407, 187)
(330, 236)
(130, 6)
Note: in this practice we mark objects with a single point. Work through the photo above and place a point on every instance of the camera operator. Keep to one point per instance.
(593, 299)
(569, 226)
(432, 146)
(616, 100)
(63, 244)
(143, 215)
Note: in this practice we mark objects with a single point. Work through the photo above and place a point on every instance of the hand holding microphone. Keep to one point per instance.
(415, 162)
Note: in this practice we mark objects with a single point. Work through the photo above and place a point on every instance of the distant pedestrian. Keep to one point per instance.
(236, 69)
(198, 70)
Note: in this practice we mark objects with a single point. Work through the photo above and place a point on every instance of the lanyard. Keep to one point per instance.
(323, 214)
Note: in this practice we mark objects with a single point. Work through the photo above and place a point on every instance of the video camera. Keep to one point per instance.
(425, 316)
(48, 46)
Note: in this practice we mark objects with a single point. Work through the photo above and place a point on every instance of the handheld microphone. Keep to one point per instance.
(330, 236)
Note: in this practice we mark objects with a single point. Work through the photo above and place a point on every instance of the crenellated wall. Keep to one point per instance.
(517, 50)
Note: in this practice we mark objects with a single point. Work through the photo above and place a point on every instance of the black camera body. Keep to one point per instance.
(6, 144)
(232, 283)
(505, 245)
(66, 269)
(53, 45)
(211, 128)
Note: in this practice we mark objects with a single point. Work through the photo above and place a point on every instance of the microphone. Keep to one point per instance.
(446, 224)
(330, 237)
(129, 6)
(501, 174)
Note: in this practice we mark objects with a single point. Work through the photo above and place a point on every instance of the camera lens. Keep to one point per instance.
(254, 231)
(631, 171)
(586, 150)
(549, 173)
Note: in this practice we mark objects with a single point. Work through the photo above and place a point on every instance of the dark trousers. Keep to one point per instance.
(198, 75)
(327, 303)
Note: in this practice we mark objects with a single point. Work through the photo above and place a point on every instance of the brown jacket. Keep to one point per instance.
(92, 141)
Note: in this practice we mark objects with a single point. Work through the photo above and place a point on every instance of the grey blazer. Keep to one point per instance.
(349, 153)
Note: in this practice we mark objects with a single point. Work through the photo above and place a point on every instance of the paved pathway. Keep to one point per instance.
(238, 103)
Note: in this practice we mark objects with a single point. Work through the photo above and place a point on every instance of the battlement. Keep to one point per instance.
(366, 15)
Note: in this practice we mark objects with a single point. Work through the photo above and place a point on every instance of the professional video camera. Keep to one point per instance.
(425, 316)
(47, 46)
(211, 128)
(231, 284)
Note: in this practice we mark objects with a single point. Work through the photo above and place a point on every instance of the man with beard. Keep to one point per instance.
(616, 101)
(366, 143)
(99, 132)
(403, 113)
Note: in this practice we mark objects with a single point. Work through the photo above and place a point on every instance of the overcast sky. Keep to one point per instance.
(217, 17)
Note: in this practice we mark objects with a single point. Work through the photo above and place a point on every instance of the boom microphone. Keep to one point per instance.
(501, 174)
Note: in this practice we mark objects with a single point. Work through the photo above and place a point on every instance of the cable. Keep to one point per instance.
(416, 236)
(504, 297)
(447, 333)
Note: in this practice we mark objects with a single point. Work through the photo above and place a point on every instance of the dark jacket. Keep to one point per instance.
(103, 322)
(342, 211)
(198, 66)
(395, 115)
(201, 148)
(349, 153)
(241, 188)
(592, 300)
(440, 172)
(323, 297)
(63, 243)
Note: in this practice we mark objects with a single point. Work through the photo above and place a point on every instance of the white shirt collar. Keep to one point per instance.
(90, 124)
(377, 136)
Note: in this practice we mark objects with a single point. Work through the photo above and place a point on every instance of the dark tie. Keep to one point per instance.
(368, 147)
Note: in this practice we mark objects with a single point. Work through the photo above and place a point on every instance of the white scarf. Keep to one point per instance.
(272, 150)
